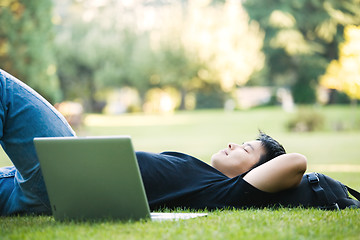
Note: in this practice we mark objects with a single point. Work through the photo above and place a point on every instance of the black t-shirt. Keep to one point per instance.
(173, 179)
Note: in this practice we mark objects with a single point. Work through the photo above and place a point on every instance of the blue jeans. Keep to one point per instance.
(24, 115)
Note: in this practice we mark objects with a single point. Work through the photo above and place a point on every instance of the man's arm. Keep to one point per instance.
(280, 173)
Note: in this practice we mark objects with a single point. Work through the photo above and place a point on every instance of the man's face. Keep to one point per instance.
(237, 159)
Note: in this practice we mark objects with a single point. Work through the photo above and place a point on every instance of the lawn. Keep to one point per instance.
(230, 224)
(202, 133)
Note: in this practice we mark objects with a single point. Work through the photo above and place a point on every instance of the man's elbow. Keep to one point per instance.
(301, 163)
(300, 166)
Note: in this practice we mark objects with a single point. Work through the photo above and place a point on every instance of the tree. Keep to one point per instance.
(26, 44)
(205, 49)
(129, 48)
(344, 74)
(224, 38)
(96, 53)
(301, 38)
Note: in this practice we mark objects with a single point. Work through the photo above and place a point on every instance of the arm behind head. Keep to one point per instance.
(282, 172)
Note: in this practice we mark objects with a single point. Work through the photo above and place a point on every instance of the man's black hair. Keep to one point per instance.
(272, 148)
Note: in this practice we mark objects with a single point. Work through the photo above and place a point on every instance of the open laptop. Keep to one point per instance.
(92, 178)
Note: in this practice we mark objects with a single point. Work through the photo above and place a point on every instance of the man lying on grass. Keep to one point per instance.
(241, 175)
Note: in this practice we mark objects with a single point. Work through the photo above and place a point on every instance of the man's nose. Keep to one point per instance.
(232, 146)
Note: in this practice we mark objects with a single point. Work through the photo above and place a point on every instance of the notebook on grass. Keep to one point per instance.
(92, 178)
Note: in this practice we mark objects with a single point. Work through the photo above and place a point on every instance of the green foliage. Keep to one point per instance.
(26, 44)
(338, 97)
(301, 38)
(96, 56)
(89, 57)
(210, 97)
(106, 50)
(177, 67)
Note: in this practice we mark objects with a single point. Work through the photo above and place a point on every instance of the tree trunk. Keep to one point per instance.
(183, 98)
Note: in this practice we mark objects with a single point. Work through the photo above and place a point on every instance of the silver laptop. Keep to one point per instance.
(92, 178)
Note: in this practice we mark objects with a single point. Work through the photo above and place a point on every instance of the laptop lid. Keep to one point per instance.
(92, 178)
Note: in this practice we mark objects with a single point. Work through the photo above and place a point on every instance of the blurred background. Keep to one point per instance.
(116, 56)
(191, 75)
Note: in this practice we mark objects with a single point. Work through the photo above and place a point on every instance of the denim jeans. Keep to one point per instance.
(24, 115)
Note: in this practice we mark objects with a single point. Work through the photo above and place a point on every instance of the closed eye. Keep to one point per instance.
(250, 146)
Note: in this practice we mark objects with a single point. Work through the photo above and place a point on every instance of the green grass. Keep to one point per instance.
(202, 133)
(229, 224)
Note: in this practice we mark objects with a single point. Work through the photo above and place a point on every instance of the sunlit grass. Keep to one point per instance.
(128, 120)
(202, 133)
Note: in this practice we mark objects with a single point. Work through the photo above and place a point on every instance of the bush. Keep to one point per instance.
(306, 120)
(211, 96)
